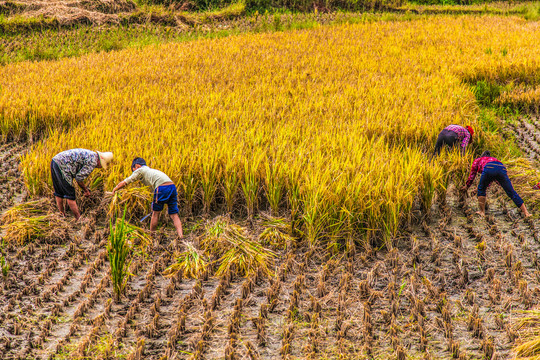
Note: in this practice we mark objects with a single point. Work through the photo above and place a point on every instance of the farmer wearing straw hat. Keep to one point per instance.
(164, 192)
(75, 164)
(492, 170)
(453, 135)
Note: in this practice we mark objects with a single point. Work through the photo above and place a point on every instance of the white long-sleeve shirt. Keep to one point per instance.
(148, 176)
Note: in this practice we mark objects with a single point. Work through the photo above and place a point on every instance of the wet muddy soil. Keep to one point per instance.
(450, 288)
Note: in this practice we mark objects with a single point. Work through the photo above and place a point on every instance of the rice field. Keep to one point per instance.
(317, 227)
(298, 121)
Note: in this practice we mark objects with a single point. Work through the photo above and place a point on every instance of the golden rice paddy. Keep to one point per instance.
(335, 124)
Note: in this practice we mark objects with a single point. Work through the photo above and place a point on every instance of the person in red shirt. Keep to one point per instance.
(492, 170)
(452, 135)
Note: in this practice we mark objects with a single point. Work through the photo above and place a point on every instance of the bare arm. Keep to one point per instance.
(83, 186)
(472, 175)
(120, 185)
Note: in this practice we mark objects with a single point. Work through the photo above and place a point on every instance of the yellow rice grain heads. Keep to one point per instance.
(258, 136)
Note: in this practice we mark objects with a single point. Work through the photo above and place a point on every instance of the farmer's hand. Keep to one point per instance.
(86, 192)
(120, 185)
(464, 189)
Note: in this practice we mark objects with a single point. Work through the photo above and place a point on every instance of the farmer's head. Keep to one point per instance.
(105, 158)
(137, 163)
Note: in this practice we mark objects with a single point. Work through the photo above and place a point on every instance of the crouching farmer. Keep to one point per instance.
(454, 135)
(164, 192)
(75, 164)
(492, 170)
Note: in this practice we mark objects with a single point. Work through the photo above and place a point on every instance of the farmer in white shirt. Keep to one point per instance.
(164, 192)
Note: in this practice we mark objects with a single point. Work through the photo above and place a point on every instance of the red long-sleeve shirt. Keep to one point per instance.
(478, 166)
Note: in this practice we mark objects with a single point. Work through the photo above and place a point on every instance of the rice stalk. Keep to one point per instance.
(190, 184)
(23, 229)
(119, 253)
(230, 186)
(26, 209)
(275, 233)
(191, 263)
(274, 185)
(135, 201)
(250, 183)
(138, 239)
(4, 265)
(209, 182)
(241, 255)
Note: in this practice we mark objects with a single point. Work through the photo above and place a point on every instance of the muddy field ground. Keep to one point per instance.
(451, 288)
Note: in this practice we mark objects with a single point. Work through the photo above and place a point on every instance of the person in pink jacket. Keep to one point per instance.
(492, 170)
(454, 135)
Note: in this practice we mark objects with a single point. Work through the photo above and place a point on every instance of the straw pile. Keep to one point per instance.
(67, 15)
(34, 221)
(96, 12)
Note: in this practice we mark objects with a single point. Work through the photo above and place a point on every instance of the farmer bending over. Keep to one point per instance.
(451, 136)
(492, 170)
(164, 192)
(74, 164)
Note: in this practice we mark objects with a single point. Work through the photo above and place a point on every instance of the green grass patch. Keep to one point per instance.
(487, 92)
(492, 121)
